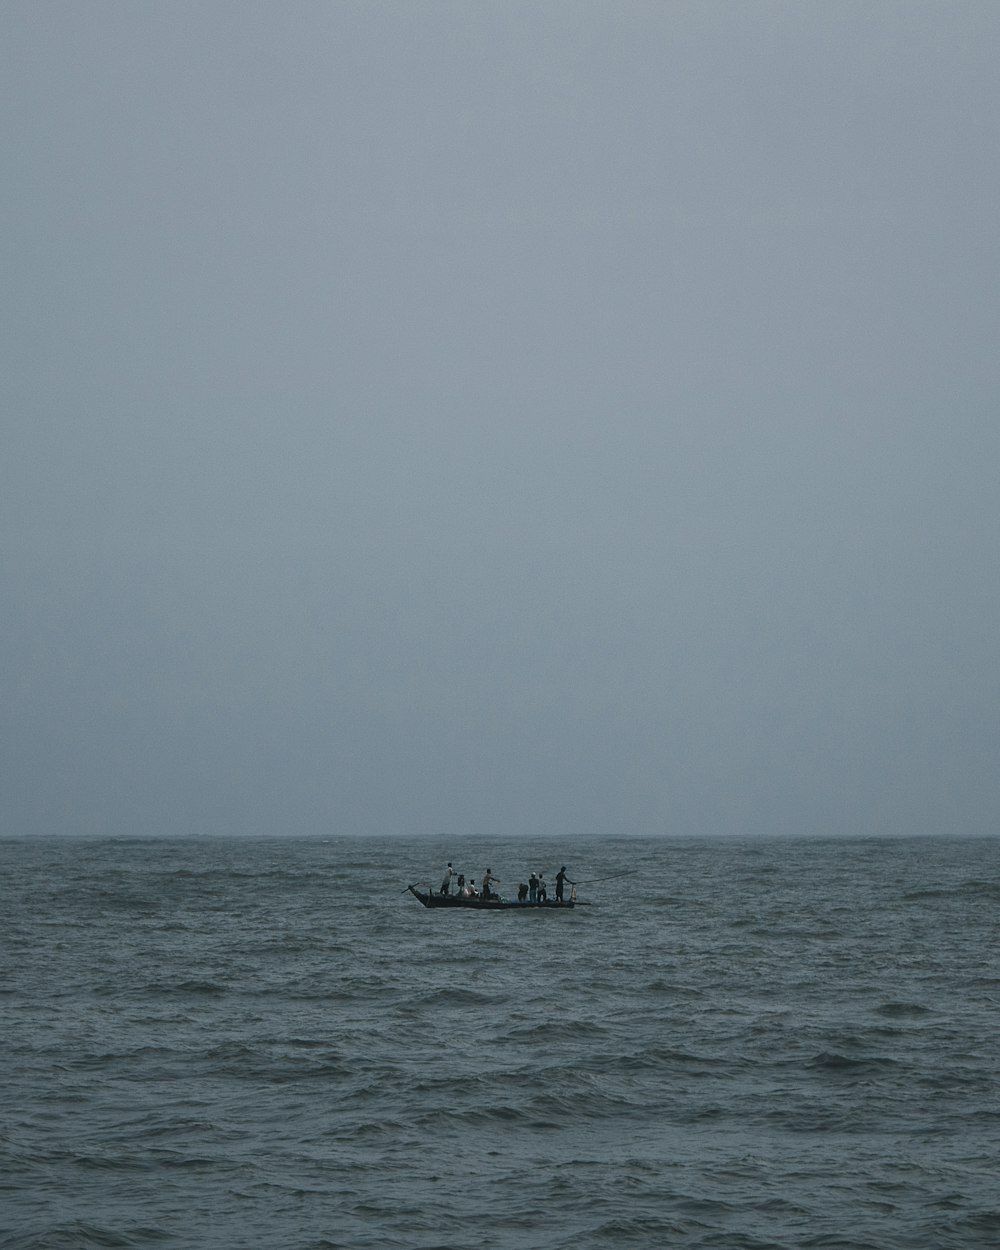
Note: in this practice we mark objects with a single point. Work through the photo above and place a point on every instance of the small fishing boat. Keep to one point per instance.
(489, 904)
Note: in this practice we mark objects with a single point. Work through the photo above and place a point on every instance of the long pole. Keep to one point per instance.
(591, 880)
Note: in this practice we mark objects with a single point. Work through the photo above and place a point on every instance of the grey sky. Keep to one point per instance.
(496, 418)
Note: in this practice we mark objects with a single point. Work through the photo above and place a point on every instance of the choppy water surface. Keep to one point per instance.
(266, 1044)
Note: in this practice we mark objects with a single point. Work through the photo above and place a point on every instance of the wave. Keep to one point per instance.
(975, 888)
(901, 1010)
(80, 1235)
(636, 1231)
(832, 1061)
(549, 1032)
(980, 889)
(246, 1062)
(187, 988)
(670, 989)
(544, 1111)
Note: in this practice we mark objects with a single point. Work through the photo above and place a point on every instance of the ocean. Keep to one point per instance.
(750, 1045)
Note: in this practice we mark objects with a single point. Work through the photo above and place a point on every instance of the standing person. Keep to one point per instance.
(532, 888)
(542, 896)
(561, 880)
(488, 879)
(449, 872)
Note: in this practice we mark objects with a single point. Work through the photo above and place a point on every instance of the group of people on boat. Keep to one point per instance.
(534, 890)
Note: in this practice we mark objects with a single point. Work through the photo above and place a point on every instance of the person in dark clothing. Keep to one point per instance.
(561, 880)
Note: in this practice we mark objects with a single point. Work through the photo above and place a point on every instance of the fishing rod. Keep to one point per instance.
(613, 877)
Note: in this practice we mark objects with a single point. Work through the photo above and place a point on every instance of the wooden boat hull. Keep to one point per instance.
(487, 904)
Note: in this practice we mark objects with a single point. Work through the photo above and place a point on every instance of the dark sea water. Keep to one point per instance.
(265, 1044)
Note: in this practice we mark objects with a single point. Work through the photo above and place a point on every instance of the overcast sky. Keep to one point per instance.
(497, 418)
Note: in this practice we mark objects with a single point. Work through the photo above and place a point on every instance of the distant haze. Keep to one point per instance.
(497, 418)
